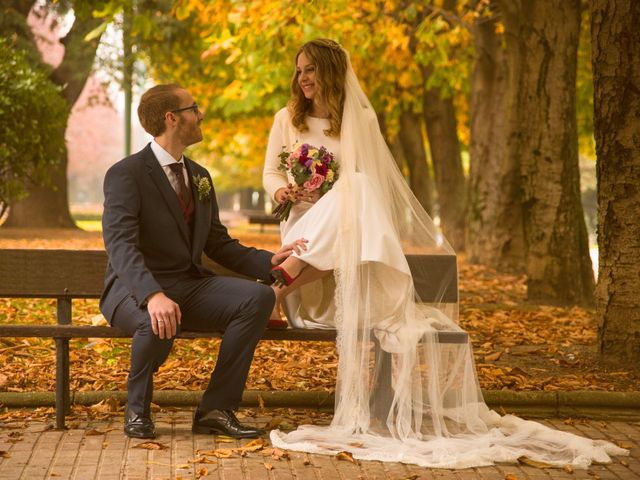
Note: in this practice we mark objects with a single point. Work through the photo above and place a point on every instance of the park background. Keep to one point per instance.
(521, 150)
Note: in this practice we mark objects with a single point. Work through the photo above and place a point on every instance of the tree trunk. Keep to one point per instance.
(440, 120)
(616, 68)
(543, 38)
(410, 137)
(494, 234)
(48, 206)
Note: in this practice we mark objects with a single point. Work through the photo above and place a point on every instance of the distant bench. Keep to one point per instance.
(262, 220)
(68, 274)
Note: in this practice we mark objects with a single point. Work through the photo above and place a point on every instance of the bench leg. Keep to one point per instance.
(63, 403)
(381, 388)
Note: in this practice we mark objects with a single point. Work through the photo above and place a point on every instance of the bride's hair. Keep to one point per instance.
(330, 61)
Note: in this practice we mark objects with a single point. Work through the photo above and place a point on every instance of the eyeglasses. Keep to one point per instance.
(193, 107)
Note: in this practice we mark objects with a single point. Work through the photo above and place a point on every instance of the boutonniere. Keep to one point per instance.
(202, 186)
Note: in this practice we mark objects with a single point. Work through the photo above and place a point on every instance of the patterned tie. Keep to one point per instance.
(183, 192)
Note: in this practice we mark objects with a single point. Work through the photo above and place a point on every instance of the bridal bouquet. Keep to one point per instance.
(311, 168)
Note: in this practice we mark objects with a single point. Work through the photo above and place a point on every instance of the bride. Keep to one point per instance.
(401, 395)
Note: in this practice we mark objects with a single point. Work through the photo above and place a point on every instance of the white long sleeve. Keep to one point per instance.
(272, 178)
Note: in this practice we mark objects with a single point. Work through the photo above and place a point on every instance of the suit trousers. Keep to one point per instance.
(239, 308)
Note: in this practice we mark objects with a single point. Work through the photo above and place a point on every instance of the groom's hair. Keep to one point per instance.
(154, 104)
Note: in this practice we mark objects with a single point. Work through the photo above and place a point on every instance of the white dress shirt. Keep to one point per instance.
(165, 159)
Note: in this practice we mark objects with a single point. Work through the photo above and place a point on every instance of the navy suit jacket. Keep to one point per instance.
(146, 236)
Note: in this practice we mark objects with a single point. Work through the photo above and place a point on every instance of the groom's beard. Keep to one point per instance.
(189, 133)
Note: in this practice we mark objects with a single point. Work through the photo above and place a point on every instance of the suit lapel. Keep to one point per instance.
(201, 212)
(168, 193)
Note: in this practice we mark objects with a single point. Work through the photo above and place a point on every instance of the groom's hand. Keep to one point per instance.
(298, 246)
(165, 315)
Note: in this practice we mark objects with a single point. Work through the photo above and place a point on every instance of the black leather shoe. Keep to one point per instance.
(137, 426)
(223, 422)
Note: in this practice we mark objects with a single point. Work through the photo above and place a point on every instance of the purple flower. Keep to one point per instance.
(322, 169)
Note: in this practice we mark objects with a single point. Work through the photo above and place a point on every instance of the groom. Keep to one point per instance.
(160, 215)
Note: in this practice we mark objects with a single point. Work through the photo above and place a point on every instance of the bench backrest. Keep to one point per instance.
(80, 274)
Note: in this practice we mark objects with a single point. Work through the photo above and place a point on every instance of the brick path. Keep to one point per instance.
(97, 449)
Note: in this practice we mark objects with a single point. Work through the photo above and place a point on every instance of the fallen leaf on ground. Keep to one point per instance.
(278, 454)
(201, 459)
(273, 423)
(151, 446)
(97, 431)
(345, 456)
(202, 472)
(493, 357)
(218, 452)
(252, 446)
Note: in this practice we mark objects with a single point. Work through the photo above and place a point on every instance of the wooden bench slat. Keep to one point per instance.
(88, 331)
(263, 220)
(80, 274)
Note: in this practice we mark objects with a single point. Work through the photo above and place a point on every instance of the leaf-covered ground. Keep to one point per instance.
(517, 345)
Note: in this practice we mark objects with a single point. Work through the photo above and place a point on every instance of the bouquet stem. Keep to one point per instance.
(282, 211)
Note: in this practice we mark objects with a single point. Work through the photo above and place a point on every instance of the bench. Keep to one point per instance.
(262, 220)
(68, 274)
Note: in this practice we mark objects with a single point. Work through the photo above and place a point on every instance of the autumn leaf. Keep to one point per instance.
(201, 459)
(97, 431)
(151, 446)
(345, 456)
(278, 454)
(493, 357)
(273, 423)
(202, 472)
(252, 446)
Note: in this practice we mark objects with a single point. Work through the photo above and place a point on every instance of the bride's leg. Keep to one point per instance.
(307, 274)
(288, 270)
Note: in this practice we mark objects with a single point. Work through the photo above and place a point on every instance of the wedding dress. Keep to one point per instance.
(400, 395)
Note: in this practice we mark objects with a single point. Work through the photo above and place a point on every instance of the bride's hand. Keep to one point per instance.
(298, 246)
(311, 197)
(283, 194)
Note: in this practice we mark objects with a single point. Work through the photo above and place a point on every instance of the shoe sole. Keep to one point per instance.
(216, 431)
(131, 435)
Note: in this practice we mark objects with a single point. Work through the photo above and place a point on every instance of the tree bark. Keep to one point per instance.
(615, 40)
(542, 41)
(410, 137)
(47, 206)
(494, 234)
(442, 132)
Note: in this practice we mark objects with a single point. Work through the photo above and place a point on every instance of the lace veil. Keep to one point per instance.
(401, 394)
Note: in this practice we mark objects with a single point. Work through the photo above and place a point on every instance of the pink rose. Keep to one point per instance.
(314, 182)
